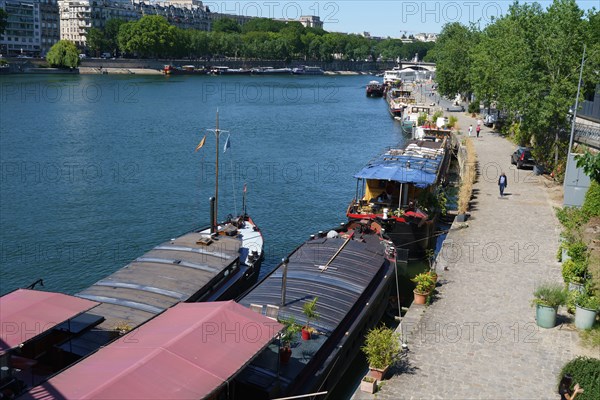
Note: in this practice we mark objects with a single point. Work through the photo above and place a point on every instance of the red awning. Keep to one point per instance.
(185, 353)
(25, 314)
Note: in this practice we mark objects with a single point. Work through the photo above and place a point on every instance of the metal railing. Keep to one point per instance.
(587, 134)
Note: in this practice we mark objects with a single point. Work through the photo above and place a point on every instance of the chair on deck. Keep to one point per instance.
(256, 308)
(272, 312)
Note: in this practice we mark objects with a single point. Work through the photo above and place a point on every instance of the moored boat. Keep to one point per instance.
(398, 99)
(374, 89)
(213, 263)
(400, 189)
(349, 271)
(271, 71)
(220, 70)
(184, 70)
(306, 70)
(410, 118)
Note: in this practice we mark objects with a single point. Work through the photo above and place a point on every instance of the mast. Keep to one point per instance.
(217, 131)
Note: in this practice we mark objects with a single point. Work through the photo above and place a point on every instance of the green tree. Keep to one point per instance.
(64, 54)
(453, 60)
(226, 25)
(151, 36)
(111, 34)
(3, 20)
(95, 41)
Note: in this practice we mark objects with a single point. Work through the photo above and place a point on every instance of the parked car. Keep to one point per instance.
(489, 120)
(522, 158)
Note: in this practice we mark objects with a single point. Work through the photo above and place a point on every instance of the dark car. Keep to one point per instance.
(522, 158)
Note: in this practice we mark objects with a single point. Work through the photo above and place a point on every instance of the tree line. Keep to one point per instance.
(527, 64)
(261, 38)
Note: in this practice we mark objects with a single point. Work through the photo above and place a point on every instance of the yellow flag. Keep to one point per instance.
(201, 143)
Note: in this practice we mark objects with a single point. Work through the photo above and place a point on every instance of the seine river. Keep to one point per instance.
(98, 169)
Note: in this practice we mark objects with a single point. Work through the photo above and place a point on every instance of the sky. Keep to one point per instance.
(379, 17)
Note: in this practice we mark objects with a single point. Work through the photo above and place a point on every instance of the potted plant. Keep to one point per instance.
(287, 338)
(368, 384)
(547, 298)
(573, 272)
(424, 286)
(309, 309)
(586, 310)
(382, 346)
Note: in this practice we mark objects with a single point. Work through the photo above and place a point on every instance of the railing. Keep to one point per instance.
(587, 134)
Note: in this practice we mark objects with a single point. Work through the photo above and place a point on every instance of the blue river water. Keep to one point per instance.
(97, 169)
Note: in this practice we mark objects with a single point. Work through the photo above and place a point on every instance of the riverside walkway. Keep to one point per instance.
(478, 339)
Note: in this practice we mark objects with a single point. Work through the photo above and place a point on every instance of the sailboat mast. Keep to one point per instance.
(217, 173)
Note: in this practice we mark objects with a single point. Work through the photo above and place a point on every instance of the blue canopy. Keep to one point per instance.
(418, 170)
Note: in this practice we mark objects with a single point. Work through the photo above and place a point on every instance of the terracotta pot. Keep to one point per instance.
(420, 298)
(305, 334)
(378, 374)
(284, 354)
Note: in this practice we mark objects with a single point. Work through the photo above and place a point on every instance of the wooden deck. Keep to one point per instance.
(181, 269)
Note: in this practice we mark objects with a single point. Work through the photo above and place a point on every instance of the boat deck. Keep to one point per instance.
(181, 269)
(349, 276)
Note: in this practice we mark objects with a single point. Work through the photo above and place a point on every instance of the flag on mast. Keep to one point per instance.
(201, 143)
(244, 188)
(227, 144)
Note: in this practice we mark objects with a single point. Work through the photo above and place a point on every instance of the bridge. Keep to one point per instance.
(418, 66)
(588, 135)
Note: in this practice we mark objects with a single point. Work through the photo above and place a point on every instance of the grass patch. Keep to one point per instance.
(468, 180)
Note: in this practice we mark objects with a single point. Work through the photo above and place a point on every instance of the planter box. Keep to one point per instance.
(545, 316)
(369, 387)
(584, 317)
(378, 374)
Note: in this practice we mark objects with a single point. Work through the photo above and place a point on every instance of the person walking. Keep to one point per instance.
(564, 388)
(478, 129)
(470, 129)
(502, 183)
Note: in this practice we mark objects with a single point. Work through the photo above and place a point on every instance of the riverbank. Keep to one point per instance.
(478, 338)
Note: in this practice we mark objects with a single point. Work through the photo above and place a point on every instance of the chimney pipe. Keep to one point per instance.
(284, 279)
(213, 223)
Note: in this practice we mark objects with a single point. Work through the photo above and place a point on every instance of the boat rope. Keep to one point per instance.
(324, 267)
(233, 187)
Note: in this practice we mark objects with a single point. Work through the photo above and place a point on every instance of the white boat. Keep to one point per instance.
(305, 70)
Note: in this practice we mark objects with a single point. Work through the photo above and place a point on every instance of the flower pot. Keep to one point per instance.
(368, 387)
(377, 373)
(565, 255)
(305, 334)
(284, 355)
(584, 317)
(545, 316)
(420, 298)
(575, 286)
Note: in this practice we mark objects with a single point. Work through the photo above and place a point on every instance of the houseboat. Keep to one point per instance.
(271, 71)
(191, 351)
(398, 99)
(348, 273)
(213, 263)
(184, 70)
(220, 70)
(374, 89)
(306, 70)
(400, 190)
(410, 118)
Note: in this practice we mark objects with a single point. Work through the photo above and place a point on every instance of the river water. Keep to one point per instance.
(97, 169)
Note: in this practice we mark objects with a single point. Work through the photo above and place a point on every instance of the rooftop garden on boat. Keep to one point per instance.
(399, 189)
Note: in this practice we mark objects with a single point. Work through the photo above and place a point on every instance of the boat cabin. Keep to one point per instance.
(394, 184)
